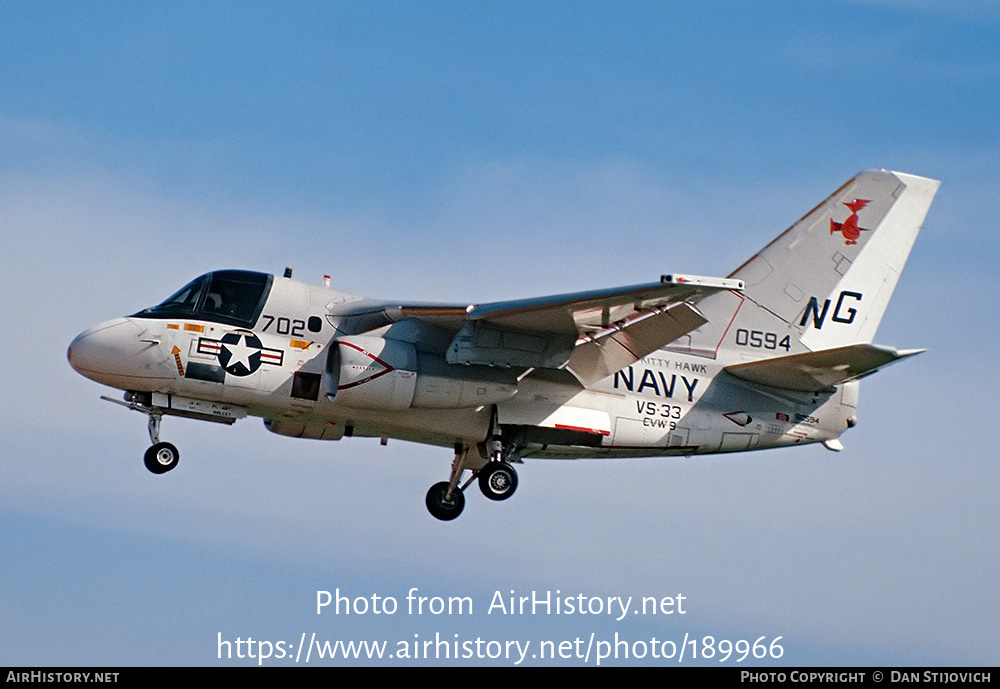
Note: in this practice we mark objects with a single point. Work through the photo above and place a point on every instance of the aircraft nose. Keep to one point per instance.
(113, 353)
(94, 350)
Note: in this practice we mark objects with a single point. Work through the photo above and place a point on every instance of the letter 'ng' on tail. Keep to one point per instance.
(826, 281)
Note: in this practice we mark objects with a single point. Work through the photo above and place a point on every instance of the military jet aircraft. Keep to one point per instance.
(770, 356)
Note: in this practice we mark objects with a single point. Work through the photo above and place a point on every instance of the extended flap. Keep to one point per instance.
(598, 356)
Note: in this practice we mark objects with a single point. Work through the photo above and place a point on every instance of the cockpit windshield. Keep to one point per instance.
(233, 297)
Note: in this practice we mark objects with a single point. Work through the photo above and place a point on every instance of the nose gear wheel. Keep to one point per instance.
(161, 458)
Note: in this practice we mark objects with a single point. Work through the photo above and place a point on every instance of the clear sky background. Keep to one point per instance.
(474, 151)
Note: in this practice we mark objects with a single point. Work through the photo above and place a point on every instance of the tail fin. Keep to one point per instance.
(825, 282)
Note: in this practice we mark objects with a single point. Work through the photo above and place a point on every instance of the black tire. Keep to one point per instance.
(498, 480)
(161, 458)
(442, 509)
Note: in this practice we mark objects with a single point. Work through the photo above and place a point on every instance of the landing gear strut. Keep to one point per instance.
(446, 500)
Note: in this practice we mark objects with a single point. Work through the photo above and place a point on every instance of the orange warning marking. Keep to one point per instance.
(177, 360)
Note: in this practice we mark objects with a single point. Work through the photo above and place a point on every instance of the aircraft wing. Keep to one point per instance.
(591, 333)
(814, 371)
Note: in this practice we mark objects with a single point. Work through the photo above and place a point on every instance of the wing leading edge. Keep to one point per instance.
(593, 334)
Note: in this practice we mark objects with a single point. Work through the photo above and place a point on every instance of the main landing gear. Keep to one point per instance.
(497, 479)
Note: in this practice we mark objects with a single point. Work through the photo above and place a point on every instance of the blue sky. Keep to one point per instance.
(470, 152)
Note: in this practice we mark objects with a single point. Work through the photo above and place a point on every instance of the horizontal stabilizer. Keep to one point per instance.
(820, 370)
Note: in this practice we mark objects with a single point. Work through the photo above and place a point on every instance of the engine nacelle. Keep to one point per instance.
(294, 429)
(369, 372)
(372, 372)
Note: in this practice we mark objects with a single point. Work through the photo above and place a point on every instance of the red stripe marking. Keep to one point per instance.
(596, 431)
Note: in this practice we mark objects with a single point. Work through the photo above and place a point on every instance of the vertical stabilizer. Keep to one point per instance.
(826, 281)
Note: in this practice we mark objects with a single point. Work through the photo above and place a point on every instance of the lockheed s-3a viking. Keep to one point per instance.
(770, 356)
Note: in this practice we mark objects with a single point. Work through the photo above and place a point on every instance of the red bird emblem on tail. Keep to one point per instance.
(849, 228)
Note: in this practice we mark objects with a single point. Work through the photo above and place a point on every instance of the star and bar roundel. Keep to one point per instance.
(240, 352)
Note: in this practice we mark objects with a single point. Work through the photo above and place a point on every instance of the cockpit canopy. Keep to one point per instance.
(232, 297)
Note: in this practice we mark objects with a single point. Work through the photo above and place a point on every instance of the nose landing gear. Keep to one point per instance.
(160, 457)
